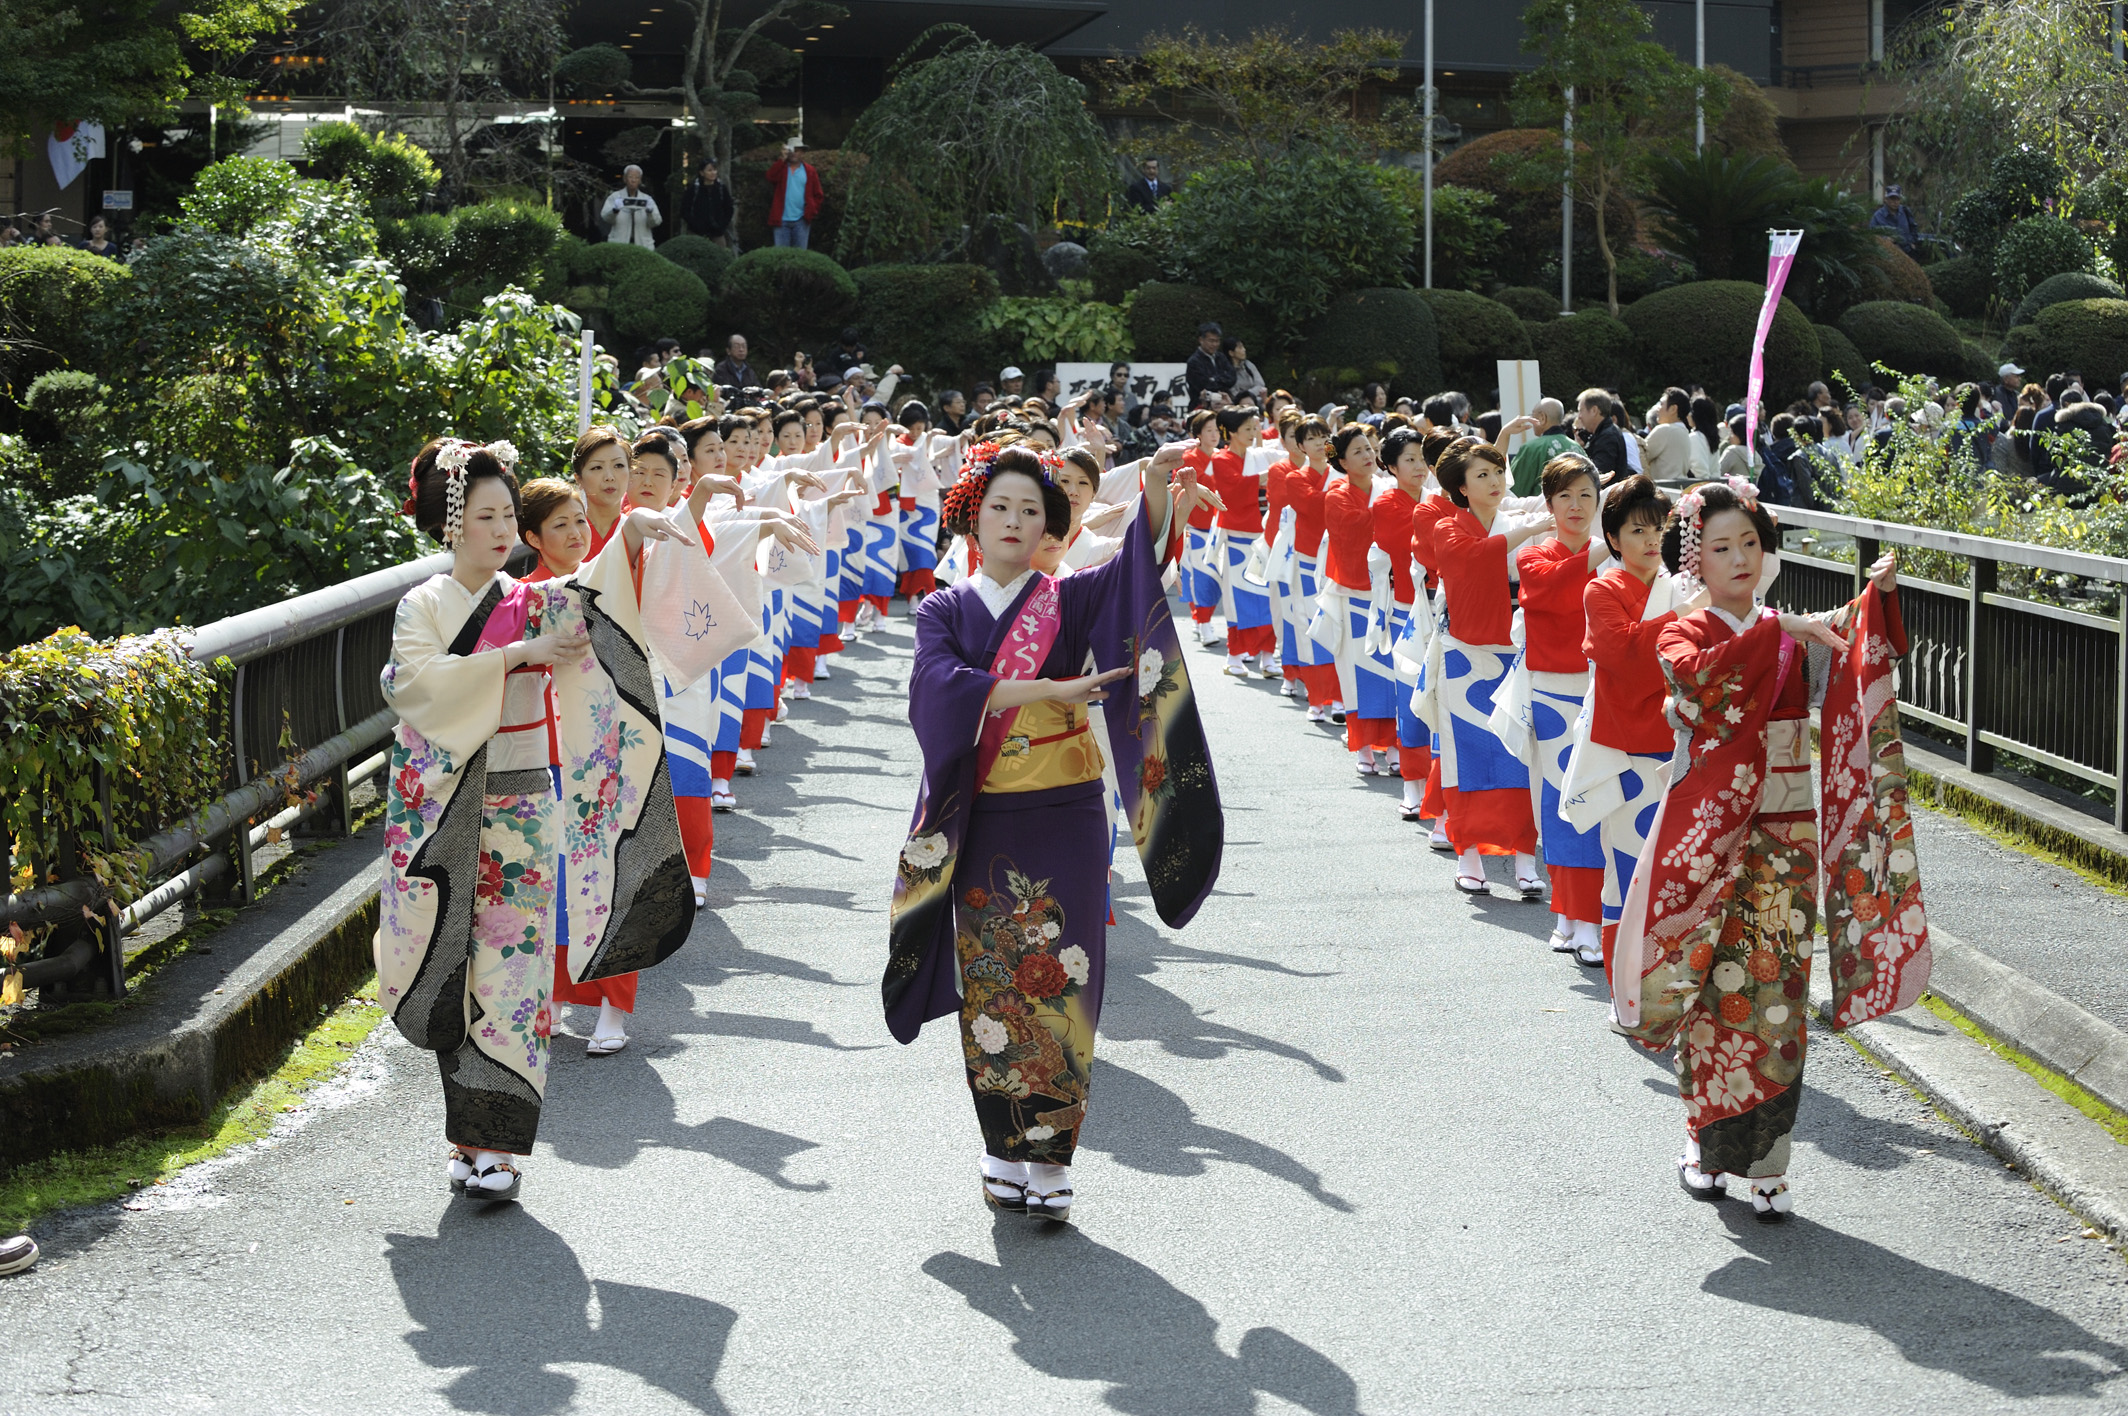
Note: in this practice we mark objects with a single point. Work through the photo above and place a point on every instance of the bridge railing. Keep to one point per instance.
(1990, 670)
(303, 716)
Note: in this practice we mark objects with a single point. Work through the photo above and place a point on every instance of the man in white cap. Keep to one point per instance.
(794, 197)
(1010, 381)
(2008, 380)
(631, 212)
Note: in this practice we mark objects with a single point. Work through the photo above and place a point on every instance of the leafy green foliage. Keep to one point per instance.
(66, 410)
(1474, 333)
(1891, 274)
(1287, 241)
(929, 319)
(1468, 235)
(779, 296)
(1165, 316)
(1518, 168)
(2021, 182)
(2089, 335)
(1118, 264)
(1265, 99)
(1910, 338)
(1587, 349)
(1842, 360)
(2071, 285)
(625, 289)
(2037, 247)
(1715, 208)
(50, 300)
(1044, 329)
(392, 174)
(974, 137)
(839, 169)
(1368, 335)
(1531, 305)
(140, 712)
(1701, 333)
(1964, 283)
(708, 259)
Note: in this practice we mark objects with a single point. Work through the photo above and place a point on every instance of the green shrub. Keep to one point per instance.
(1118, 266)
(1165, 316)
(781, 296)
(1514, 165)
(926, 318)
(1963, 283)
(2035, 248)
(1980, 365)
(1531, 305)
(648, 299)
(392, 174)
(1289, 241)
(419, 248)
(51, 298)
(2089, 335)
(1365, 335)
(499, 243)
(1701, 334)
(1840, 357)
(1909, 338)
(706, 258)
(1892, 274)
(1587, 349)
(2070, 285)
(237, 193)
(838, 168)
(1041, 329)
(1474, 332)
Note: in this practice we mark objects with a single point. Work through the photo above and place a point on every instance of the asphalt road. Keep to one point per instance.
(1356, 1144)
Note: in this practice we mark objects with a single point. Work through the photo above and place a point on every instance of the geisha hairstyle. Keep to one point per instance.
(1681, 535)
(1635, 501)
(444, 474)
(963, 502)
(1453, 470)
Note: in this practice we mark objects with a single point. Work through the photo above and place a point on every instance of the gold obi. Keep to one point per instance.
(1048, 745)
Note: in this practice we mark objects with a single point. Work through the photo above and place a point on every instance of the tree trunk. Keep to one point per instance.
(1603, 242)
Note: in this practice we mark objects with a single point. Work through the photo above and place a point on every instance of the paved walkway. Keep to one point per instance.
(1357, 1144)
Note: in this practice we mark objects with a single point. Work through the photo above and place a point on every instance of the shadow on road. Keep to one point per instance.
(1935, 1319)
(1147, 1127)
(1081, 1312)
(471, 1316)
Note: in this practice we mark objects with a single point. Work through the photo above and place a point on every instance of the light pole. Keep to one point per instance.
(1428, 181)
(1566, 217)
(1699, 61)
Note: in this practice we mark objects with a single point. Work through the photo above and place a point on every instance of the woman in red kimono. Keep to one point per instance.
(1487, 786)
(1241, 526)
(1715, 947)
(1199, 575)
(1356, 595)
(1403, 457)
(1430, 802)
(1300, 491)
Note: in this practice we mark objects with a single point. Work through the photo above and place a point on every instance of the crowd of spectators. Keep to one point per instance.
(45, 229)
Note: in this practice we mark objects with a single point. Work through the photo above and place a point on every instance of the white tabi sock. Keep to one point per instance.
(701, 883)
(1367, 758)
(1440, 833)
(1414, 793)
(1392, 766)
(720, 786)
(612, 1021)
(1238, 663)
(1525, 867)
(1047, 1179)
(1471, 864)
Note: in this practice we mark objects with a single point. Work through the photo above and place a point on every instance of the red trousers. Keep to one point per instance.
(1577, 892)
(798, 665)
(618, 990)
(1369, 732)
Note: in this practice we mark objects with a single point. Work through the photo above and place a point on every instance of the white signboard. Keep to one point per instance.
(1144, 379)
(1518, 394)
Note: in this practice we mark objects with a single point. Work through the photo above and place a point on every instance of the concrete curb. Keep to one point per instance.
(206, 1021)
(2038, 1022)
(2002, 801)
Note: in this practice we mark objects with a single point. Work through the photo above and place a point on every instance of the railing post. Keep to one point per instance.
(1866, 553)
(114, 941)
(2120, 715)
(1979, 666)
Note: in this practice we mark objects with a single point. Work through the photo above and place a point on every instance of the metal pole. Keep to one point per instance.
(2120, 55)
(1429, 144)
(583, 381)
(1566, 217)
(1699, 61)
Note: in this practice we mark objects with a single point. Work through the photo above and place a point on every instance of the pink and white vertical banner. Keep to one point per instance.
(1780, 259)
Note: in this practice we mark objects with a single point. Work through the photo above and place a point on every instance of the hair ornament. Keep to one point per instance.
(451, 460)
(505, 452)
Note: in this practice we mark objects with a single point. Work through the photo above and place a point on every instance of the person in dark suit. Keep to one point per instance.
(1148, 191)
(1600, 438)
(706, 206)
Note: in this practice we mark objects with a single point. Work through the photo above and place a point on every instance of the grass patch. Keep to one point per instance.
(245, 1114)
(2114, 1122)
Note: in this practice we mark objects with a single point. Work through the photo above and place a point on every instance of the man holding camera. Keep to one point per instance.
(631, 212)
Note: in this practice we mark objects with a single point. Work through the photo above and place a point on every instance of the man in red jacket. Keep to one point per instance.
(794, 196)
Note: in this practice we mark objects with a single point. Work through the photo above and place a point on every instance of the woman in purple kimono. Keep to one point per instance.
(1001, 893)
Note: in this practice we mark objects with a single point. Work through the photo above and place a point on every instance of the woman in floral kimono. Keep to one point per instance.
(1715, 947)
(474, 823)
(1001, 894)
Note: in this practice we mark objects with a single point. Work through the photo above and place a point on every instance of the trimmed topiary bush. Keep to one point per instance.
(1531, 305)
(781, 296)
(1587, 349)
(1980, 365)
(1964, 284)
(499, 243)
(1839, 356)
(1701, 334)
(2088, 335)
(1909, 338)
(626, 291)
(1503, 164)
(1892, 274)
(926, 318)
(1367, 335)
(1118, 267)
(1475, 332)
(708, 259)
(2035, 248)
(50, 297)
(2070, 285)
(1165, 317)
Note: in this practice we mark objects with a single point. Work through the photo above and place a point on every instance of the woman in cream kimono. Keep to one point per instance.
(475, 821)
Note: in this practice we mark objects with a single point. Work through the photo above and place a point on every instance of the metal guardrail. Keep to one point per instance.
(1989, 670)
(303, 709)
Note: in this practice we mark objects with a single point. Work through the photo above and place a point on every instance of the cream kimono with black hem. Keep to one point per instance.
(481, 825)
